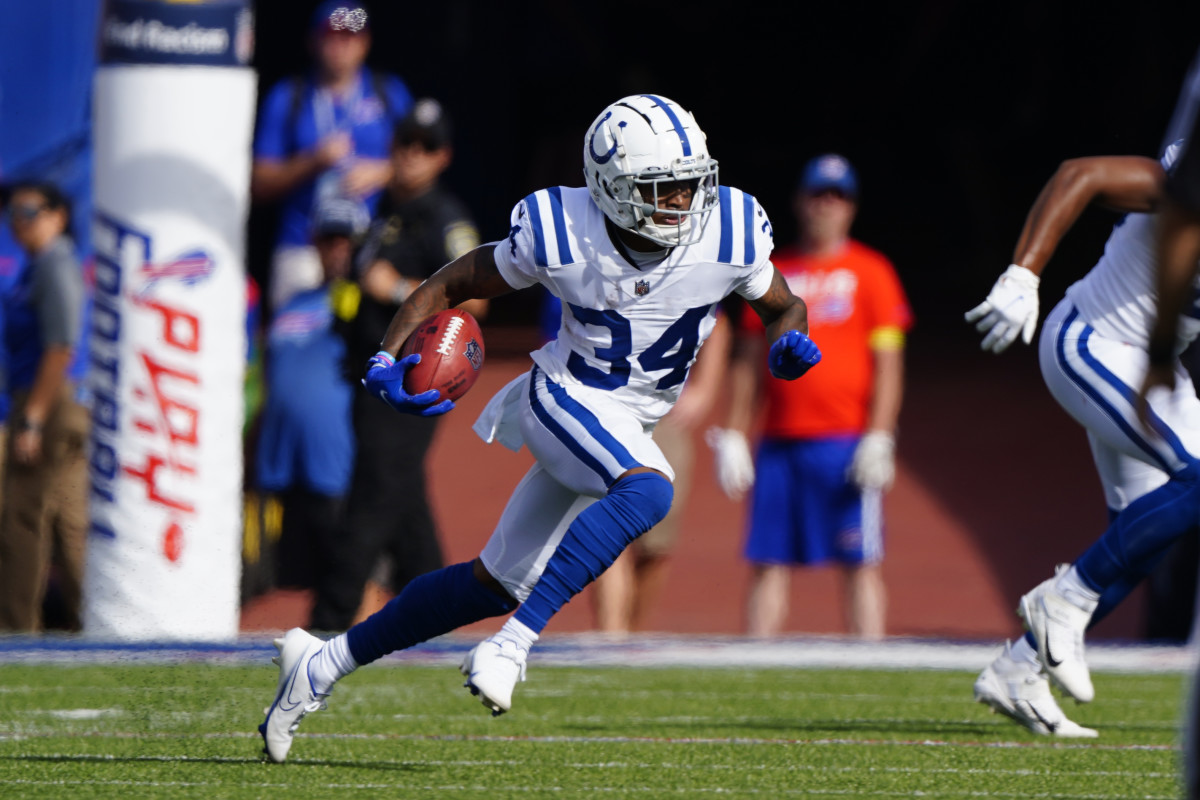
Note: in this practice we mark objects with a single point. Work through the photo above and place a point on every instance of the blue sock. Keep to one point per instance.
(1143, 532)
(430, 605)
(593, 541)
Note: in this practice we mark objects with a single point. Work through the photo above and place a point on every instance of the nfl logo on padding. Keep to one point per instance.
(641, 287)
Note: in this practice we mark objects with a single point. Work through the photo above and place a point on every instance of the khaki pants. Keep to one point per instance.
(44, 520)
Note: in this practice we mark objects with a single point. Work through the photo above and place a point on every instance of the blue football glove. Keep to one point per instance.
(792, 355)
(385, 380)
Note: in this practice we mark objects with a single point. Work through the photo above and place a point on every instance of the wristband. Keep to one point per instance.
(381, 359)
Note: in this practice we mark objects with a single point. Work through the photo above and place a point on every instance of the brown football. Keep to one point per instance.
(451, 347)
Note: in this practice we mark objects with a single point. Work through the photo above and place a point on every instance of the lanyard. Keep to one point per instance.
(325, 109)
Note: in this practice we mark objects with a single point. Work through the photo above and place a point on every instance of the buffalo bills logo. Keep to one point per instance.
(641, 288)
(474, 354)
(189, 268)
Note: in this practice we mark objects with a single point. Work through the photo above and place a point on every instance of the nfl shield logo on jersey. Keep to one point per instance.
(641, 287)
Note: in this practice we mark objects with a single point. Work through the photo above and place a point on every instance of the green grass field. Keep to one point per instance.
(401, 731)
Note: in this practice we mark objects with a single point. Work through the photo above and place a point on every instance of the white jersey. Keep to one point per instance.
(629, 331)
(1118, 296)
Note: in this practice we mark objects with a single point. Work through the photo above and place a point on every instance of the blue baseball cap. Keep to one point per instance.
(339, 217)
(348, 16)
(829, 171)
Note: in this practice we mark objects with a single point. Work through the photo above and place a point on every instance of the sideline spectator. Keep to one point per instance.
(827, 452)
(44, 519)
(321, 136)
(391, 536)
(306, 440)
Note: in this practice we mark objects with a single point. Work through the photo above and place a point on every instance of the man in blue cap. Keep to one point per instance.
(827, 446)
(322, 136)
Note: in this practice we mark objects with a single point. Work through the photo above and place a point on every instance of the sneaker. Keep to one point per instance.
(1020, 691)
(492, 670)
(1058, 625)
(294, 696)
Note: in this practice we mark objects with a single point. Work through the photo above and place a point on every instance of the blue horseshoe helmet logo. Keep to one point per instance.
(612, 151)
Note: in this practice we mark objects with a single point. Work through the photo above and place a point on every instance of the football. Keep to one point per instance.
(451, 347)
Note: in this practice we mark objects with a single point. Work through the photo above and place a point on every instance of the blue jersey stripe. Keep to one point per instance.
(586, 418)
(725, 251)
(560, 226)
(748, 210)
(539, 234)
(683, 138)
(1126, 391)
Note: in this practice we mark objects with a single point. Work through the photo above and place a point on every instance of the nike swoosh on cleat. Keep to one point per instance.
(287, 695)
(1051, 726)
(1050, 659)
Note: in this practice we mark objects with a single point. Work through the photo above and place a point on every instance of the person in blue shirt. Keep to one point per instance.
(306, 448)
(324, 135)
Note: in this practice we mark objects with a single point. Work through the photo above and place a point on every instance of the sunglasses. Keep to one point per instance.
(24, 213)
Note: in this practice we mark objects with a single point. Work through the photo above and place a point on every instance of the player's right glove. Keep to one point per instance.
(735, 466)
(792, 355)
(385, 380)
(1011, 309)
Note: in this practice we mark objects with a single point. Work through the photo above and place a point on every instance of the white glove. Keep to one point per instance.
(874, 464)
(1010, 309)
(735, 466)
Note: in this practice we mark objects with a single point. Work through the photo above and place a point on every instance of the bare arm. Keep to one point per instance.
(780, 310)
(471, 276)
(271, 179)
(1178, 252)
(745, 381)
(48, 381)
(1122, 183)
(888, 389)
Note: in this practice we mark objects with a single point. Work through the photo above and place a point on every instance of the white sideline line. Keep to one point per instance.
(646, 650)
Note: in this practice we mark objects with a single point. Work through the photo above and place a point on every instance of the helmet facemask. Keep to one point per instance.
(692, 219)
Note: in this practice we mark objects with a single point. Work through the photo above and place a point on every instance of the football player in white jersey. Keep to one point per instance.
(1178, 251)
(640, 258)
(1093, 352)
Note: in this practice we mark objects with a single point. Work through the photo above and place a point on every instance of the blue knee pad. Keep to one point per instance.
(593, 541)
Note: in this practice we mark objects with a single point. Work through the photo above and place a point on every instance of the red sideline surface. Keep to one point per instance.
(995, 486)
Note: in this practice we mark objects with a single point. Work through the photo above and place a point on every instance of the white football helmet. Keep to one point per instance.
(638, 144)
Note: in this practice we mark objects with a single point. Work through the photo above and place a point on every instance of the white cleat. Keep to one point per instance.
(294, 697)
(493, 670)
(1021, 692)
(1058, 626)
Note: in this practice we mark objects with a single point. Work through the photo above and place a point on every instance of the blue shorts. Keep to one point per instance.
(803, 510)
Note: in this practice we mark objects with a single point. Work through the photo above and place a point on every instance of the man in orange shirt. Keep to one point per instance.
(827, 449)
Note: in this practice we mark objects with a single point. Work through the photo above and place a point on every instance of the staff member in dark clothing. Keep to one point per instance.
(45, 482)
(419, 227)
